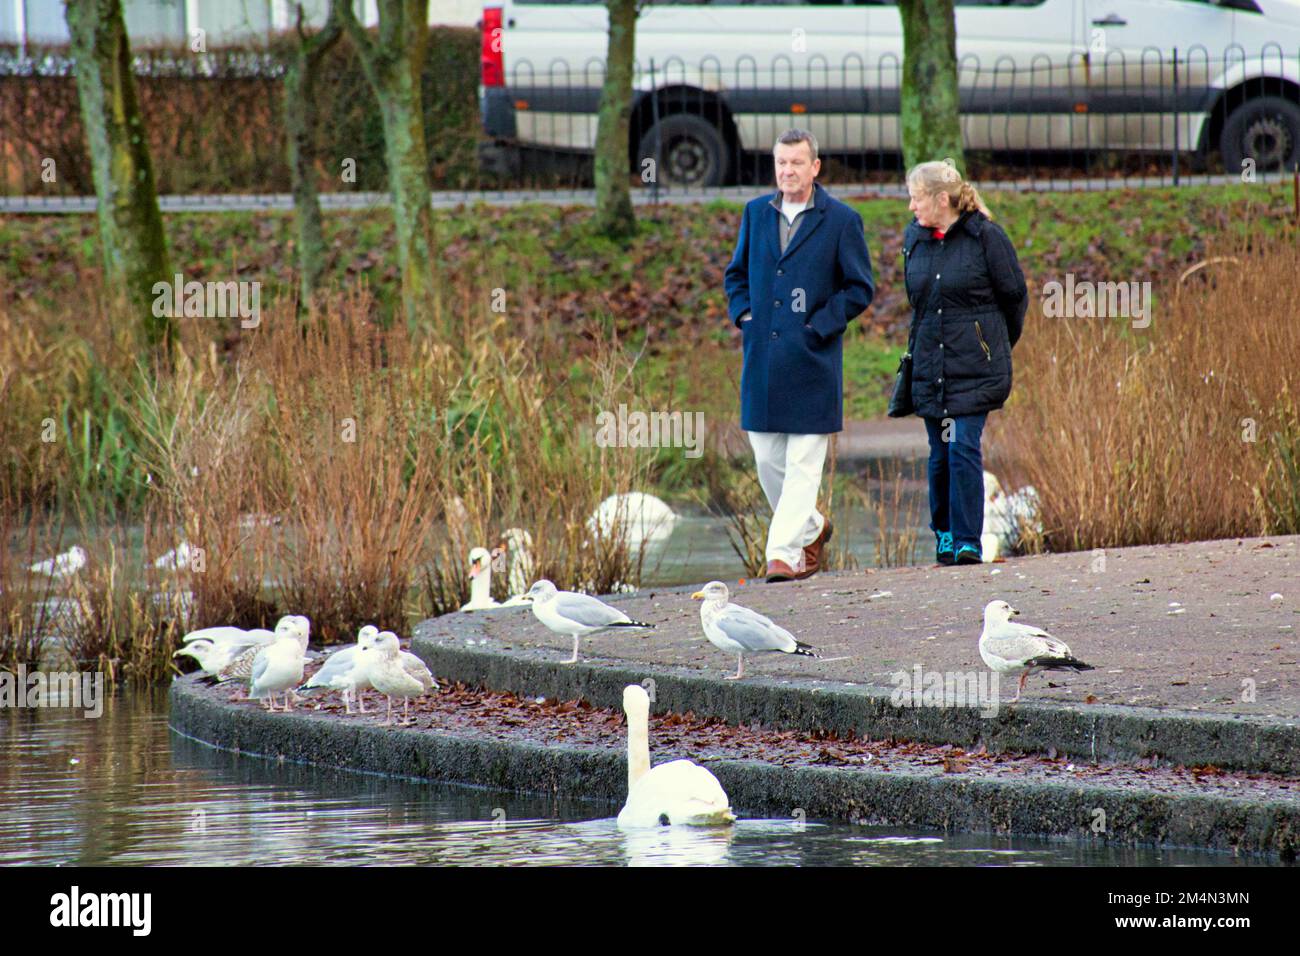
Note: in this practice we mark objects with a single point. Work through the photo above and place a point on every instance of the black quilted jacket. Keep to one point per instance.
(968, 300)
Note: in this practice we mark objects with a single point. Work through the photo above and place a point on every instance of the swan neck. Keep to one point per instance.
(481, 587)
(638, 749)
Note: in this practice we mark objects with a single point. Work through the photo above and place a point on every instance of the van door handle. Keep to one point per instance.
(1112, 20)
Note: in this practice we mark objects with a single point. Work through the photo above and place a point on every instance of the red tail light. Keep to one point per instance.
(492, 60)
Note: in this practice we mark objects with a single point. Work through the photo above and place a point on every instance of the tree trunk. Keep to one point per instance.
(929, 113)
(301, 117)
(130, 225)
(614, 215)
(393, 64)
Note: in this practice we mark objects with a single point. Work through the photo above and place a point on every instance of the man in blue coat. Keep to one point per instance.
(800, 273)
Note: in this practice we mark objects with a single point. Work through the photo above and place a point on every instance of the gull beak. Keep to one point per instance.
(1014, 611)
(697, 596)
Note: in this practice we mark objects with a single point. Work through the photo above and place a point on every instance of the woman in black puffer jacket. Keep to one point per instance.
(968, 300)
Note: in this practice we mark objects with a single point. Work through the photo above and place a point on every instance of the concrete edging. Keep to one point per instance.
(756, 789)
(1092, 732)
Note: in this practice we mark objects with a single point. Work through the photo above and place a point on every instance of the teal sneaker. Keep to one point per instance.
(943, 552)
(968, 554)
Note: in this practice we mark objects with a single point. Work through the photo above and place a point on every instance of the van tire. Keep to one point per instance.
(1267, 130)
(693, 153)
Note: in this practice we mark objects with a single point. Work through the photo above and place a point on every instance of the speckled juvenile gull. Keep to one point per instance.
(1007, 647)
(386, 672)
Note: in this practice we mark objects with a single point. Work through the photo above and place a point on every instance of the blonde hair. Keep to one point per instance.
(942, 177)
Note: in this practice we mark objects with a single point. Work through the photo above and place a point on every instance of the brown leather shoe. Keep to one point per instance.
(780, 571)
(812, 553)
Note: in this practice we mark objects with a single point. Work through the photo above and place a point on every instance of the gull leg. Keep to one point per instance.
(288, 700)
(1021, 686)
(389, 721)
(740, 669)
(574, 658)
(406, 712)
(347, 701)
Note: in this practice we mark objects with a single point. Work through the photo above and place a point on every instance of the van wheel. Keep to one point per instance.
(692, 152)
(1266, 130)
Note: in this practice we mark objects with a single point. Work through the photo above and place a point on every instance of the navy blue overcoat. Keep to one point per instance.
(792, 379)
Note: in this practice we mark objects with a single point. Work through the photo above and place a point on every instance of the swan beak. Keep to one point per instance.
(698, 596)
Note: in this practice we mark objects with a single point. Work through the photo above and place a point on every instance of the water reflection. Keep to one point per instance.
(124, 790)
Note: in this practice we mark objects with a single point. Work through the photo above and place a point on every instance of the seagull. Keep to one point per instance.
(279, 668)
(212, 656)
(341, 671)
(241, 666)
(730, 627)
(386, 672)
(1007, 647)
(417, 668)
(236, 636)
(62, 565)
(565, 612)
(480, 581)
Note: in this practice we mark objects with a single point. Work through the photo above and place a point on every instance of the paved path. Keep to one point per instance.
(46, 205)
(1185, 626)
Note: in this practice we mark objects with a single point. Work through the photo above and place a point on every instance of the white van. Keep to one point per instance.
(1035, 75)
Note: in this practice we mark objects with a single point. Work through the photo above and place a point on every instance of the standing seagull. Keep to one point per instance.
(576, 615)
(1008, 647)
(340, 671)
(730, 627)
(279, 668)
(241, 666)
(385, 672)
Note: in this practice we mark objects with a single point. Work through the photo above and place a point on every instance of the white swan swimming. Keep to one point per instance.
(633, 516)
(677, 793)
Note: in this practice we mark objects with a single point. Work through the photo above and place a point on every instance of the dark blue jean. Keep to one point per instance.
(956, 471)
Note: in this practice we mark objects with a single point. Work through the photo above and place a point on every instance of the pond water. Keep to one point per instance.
(124, 789)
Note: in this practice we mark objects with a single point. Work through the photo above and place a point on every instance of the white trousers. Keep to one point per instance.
(790, 471)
